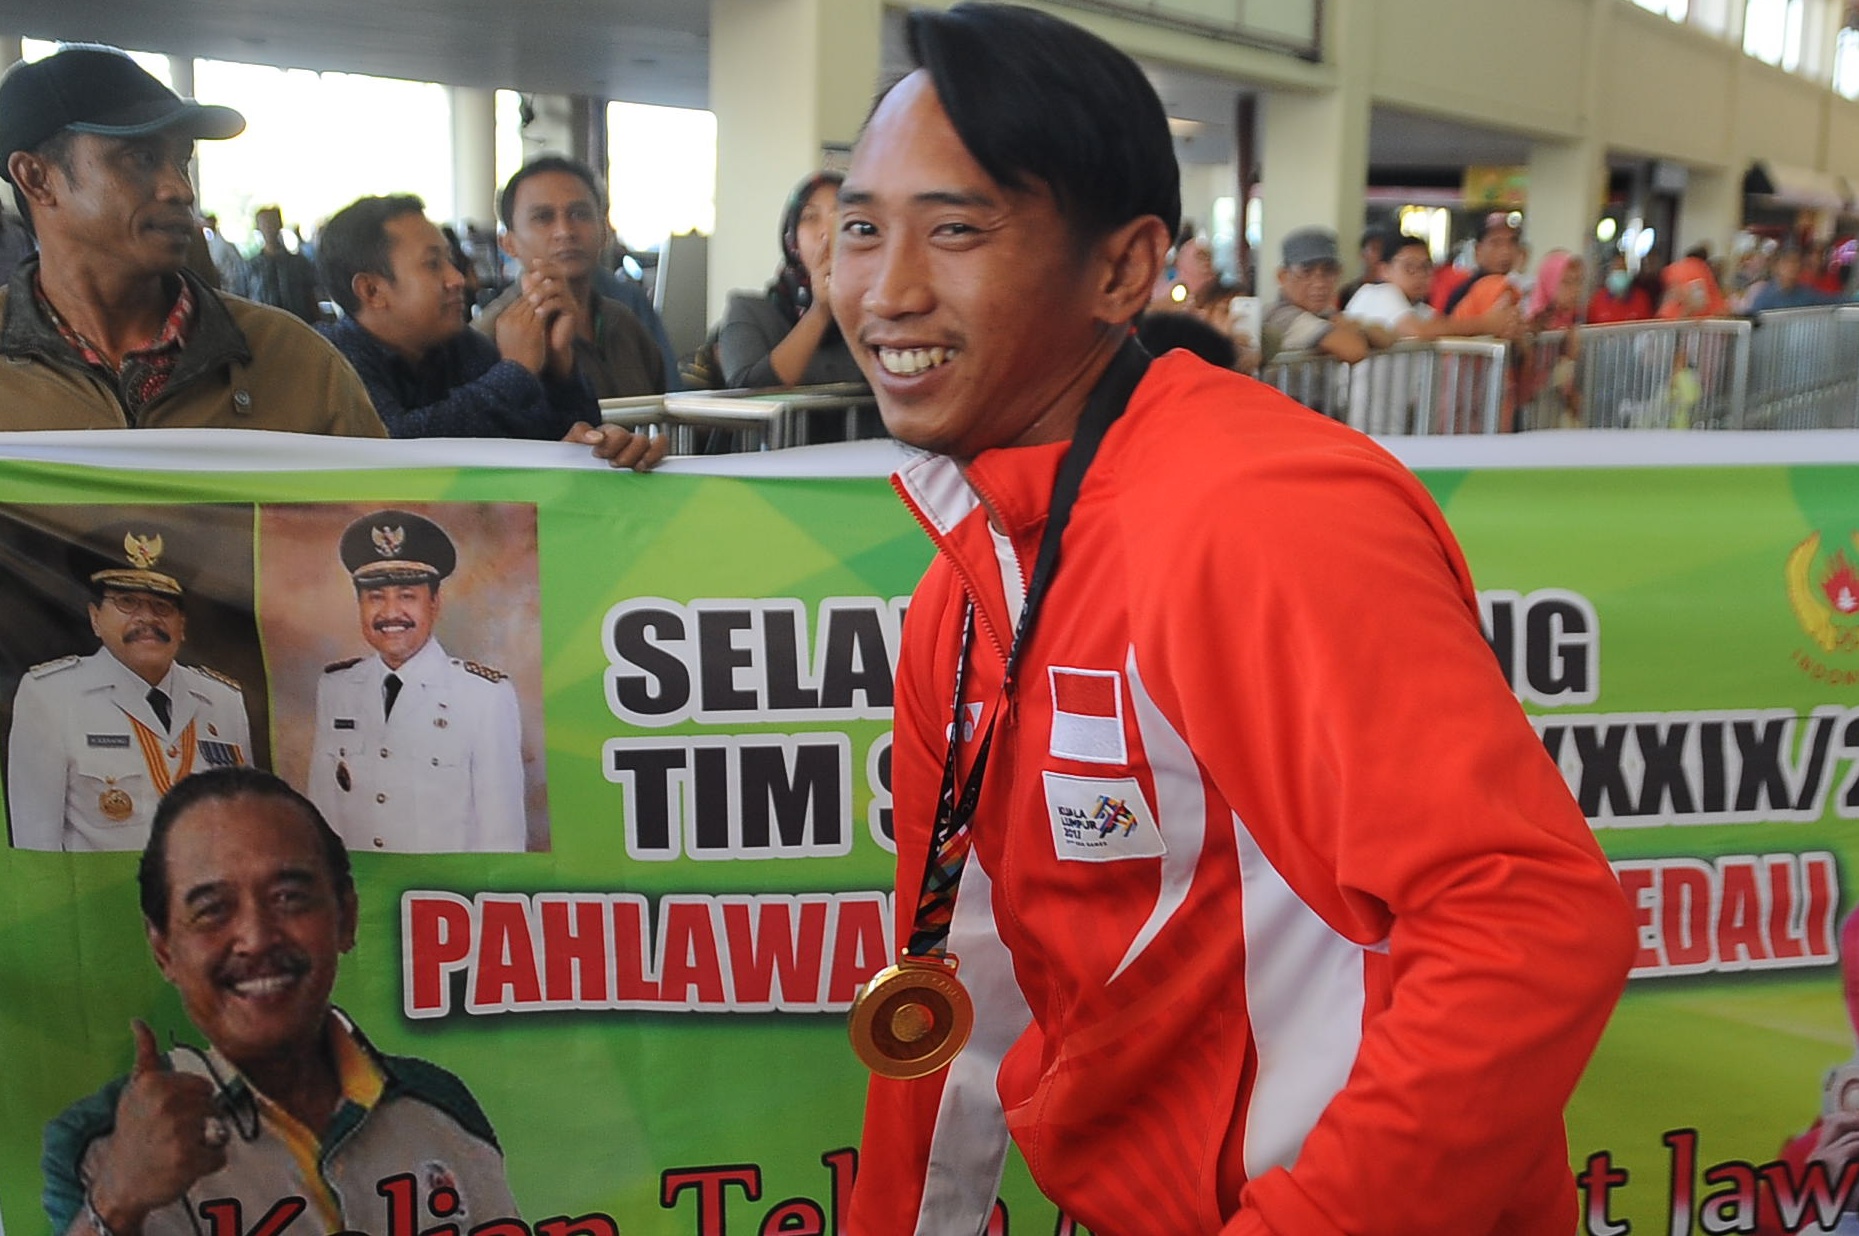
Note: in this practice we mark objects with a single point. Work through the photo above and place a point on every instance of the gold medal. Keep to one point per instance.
(116, 804)
(911, 1018)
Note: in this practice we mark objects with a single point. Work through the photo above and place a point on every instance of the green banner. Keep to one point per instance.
(641, 962)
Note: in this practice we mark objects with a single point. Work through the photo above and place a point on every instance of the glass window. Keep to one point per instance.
(1677, 10)
(1711, 15)
(314, 142)
(1846, 63)
(1766, 25)
(663, 172)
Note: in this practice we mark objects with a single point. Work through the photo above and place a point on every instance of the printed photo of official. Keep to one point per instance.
(410, 640)
(125, 650)
(272, 1100)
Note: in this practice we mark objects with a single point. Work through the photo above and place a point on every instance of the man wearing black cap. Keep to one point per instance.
(415, 750)
(98, 740)
(1305, 316)
(106, 329)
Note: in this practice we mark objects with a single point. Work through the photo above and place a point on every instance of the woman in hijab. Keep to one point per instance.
(1555, 300)
(1555, 304)
(1691, 291)
(786, 336)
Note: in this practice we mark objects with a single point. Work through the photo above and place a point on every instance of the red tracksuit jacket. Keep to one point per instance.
(1278, 917)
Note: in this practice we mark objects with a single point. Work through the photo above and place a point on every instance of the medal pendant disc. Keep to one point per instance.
(116, 804)
(911, 1018)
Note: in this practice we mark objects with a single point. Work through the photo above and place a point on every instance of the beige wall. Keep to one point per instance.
(1668, 91)
(1500, 63)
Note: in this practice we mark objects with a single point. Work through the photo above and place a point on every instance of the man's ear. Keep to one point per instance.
(367, 287)
(508, 245)
(1129, 260)
(32, 178)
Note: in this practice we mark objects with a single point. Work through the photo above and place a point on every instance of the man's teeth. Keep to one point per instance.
(908, 361)
(270, 985)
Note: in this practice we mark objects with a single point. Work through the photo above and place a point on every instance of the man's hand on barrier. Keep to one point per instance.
(169, 1133)
(621, 448)
(1504, 319)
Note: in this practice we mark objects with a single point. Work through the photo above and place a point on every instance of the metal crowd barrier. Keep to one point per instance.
(1804, 369)
(742, 420)
(1663, 375)
(1451, 386)
(1789, 369)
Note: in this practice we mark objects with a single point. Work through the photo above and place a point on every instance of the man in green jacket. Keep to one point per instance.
(105, 329)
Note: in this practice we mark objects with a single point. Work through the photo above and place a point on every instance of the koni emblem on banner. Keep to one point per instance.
(611, 756)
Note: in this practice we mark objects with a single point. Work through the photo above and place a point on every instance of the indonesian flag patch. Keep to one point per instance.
(1087, 715)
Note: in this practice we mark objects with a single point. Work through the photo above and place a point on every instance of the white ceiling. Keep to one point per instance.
(646, 51)
(643, 51)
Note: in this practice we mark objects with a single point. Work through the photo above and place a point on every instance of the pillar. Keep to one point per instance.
(551, 125)
(1712, 209)
(588, 139)
(10, 55)
(1313, 148)
(474, 156)
(181, 77)
(773, 128)
(1568, 185)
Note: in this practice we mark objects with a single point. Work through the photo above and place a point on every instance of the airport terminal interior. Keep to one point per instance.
(1648, 127)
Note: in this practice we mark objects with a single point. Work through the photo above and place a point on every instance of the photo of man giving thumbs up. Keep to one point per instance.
(288, 1112)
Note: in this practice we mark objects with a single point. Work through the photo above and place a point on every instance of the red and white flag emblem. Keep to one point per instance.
(1087, 715)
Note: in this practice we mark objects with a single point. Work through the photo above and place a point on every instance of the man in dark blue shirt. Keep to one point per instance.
(1785, 290)
(390, 271)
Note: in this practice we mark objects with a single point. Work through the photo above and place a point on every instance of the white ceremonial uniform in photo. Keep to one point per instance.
(443, 772)
(89, 758)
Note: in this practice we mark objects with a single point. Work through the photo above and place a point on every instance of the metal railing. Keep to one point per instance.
(1663, 375)
(702, 422)
(1790, 369)
(1804, 370)
(1449, 386)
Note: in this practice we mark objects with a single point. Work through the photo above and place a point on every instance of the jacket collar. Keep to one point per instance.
(214, 341)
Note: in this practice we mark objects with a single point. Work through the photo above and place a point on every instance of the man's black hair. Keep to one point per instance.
(506, 201)
(355, 241)
(223, 785)
(55, 150)
(1397, 241)
(1036, 98)
(1160, 330)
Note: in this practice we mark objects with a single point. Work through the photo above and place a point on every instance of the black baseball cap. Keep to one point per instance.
(99, 90)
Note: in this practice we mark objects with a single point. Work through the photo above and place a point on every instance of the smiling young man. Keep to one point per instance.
(415, 750)
(98, 739)
(106, 329)
(289, 1113)
(1236, 961)
(554, 224)
(389, 269)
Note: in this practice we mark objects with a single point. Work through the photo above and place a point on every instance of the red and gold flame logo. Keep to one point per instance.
(1825, 596)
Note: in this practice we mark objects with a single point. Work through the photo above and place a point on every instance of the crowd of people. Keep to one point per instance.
(130, 310)
(1401, 293)
(1491, 292)
(158, 319)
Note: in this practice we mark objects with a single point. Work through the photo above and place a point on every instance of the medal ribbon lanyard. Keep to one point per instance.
(950, 836)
